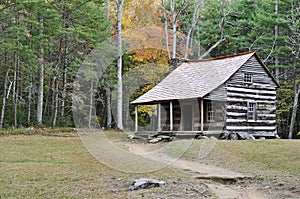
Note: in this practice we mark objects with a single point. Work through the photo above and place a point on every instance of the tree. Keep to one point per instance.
(193, 23)
(4, 99)
(294, 41)
(119, 4)
(172, 12)
(40, 77)
(222, 33)
(42, 46)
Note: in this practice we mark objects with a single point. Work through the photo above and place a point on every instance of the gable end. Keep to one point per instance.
(253, 74)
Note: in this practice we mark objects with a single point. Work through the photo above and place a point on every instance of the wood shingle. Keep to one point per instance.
(195, 79)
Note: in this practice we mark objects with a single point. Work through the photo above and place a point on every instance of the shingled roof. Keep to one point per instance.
(195, 79)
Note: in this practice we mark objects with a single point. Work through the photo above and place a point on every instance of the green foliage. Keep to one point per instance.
(67, 31)
(284, 108)
(72, 30)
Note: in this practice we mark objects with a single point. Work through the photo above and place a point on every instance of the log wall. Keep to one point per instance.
(261, 92)
(231, 105)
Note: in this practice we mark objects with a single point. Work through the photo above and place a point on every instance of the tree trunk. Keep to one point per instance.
(91, 103)
(53, 95)
(174, 28)
(54, 119)
(127, 113)
(193, 24)
(15, 89)
(294, 112)
(120, 49)
(40, 93)
(29, 100)
(4, 99)
(65, 59)
(166, 29)
(16, 77)
(108, 108)
(64, 89)
(276, 33)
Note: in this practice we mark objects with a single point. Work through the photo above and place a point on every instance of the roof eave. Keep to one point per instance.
(268, 71)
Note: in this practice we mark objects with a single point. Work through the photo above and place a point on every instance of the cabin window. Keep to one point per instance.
(251, 112)
(248, 78)
(210, 112)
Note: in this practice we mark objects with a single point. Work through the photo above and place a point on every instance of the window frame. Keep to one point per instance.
(251, 111)
(210, 112)
(248, 78)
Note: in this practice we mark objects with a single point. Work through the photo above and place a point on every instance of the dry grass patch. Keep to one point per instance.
(60, 167)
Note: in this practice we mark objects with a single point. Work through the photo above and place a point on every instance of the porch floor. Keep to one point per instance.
(178, 134)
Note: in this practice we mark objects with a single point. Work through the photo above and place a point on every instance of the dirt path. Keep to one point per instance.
(216, 178)
(205, 171)
(139, 157)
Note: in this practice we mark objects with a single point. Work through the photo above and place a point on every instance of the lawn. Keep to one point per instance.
(43, 166)
(264, 158)
(36, 166)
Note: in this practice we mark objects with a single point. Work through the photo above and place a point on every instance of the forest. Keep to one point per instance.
(79, 63)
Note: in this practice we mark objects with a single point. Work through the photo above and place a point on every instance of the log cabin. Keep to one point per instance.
(228, 95)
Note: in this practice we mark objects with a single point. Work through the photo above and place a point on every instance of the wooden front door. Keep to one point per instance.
(187, 118)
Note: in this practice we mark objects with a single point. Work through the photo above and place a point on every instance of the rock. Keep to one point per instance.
(203, 137)
(146, 183)
(277, 137)
(233, 136)
(155, 140)
(132, 136)
(165, 137)
(247, 137)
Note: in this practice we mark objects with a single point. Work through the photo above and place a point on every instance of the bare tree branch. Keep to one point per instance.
(193, 24)
(166, 28)
(271, 52)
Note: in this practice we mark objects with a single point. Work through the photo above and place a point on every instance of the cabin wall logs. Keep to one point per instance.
(261, 92)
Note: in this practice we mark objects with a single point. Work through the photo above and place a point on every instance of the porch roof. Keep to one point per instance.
(195, 79)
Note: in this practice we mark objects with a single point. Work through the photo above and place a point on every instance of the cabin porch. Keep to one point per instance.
(185, 118)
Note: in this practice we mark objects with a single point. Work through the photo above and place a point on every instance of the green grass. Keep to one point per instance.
(116, 134)
(260, 157)
(38, 166)
(64, 132)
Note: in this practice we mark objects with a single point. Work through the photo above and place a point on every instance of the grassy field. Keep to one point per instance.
(39, 166)
(264, 158)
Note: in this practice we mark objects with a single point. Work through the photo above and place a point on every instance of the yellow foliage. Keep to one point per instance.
(141, 13)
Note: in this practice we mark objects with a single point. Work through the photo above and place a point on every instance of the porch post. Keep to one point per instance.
(136, 119)
(202, 115)
(171, 116)
(159, 117)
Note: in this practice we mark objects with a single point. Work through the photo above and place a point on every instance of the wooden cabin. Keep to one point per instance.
(232, 95)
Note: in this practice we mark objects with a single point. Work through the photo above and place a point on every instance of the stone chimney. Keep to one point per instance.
(174, 63)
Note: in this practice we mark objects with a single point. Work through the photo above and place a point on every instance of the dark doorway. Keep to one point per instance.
(187, 117)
